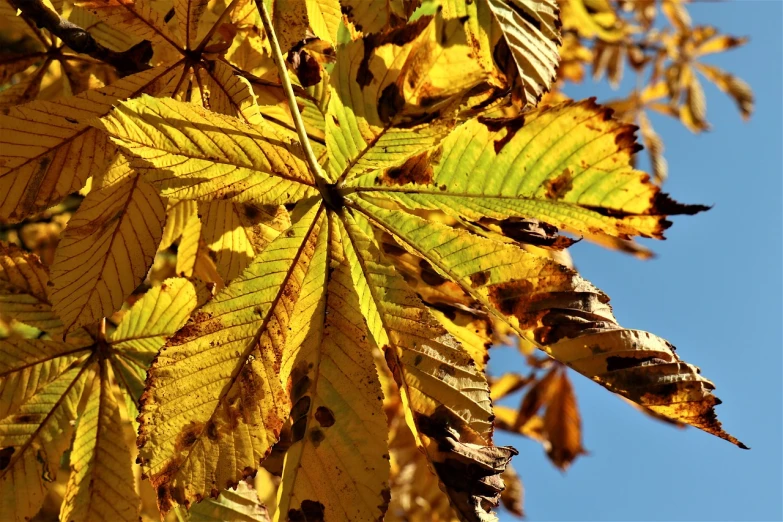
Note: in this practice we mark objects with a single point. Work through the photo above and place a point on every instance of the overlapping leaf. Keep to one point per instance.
(106, 250)
(553, 308)
(49, 148)
(381, 107)
(41, 385)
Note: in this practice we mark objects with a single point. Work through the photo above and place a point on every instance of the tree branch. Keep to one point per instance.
(126, 62)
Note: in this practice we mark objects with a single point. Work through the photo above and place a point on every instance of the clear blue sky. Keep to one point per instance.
(715, 291)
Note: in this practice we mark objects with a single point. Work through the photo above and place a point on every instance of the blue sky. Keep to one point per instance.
(714, 291)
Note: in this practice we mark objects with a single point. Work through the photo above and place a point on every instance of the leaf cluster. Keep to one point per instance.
(294, 265)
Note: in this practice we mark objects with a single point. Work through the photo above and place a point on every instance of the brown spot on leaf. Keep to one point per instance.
(512, 126)
(479, 278)
(444, 370)
(324, 416)
(416, 169)
(390, 103)
(24, 419)
(309, 511)
(429, 275)
(511, 296)
(558, 187)
(316, 436)
(212, 431)
(189, 435)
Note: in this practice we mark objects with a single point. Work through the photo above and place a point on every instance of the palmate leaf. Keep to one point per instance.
(42, 385)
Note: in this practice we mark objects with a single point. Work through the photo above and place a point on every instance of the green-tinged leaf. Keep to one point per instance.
(48, 149)
(214, 405)
(324, 18)
(567, 165)
(337, 467)
(101, 486)
(553, 308)
(192, 153)
(159, 314)
(446, 399)
(381, 108)
(106, 250)
(29, 365)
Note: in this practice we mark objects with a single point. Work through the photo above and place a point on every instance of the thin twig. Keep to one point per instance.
(277, 54)
(126, 62)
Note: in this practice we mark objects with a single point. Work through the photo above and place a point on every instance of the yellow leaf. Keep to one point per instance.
(446, 400)
(237, 232)
(23, 282)
(101, 486)
(138, 17)
(375, 118)
(337, 467)
(206, 155)
(106, 251)
(562, 424)
(568, 166)
(215, 405)
(34, 436)
(48, 149)
(731, 85)
(551, 307)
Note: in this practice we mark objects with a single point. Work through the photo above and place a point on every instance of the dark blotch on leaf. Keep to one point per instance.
(324, 416)
(415, 170)
(316, 436)
(5, 456)
(512, 125)
(390, 103)
(429, 275)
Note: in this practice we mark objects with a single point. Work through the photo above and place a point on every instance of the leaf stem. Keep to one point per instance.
(277, 54)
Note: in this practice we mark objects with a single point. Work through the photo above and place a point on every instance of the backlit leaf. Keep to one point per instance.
(217, 405)
(106, 251)
(191, 144)
(48, 149)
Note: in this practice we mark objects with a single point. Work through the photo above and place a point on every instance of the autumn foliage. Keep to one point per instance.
(254, 256)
